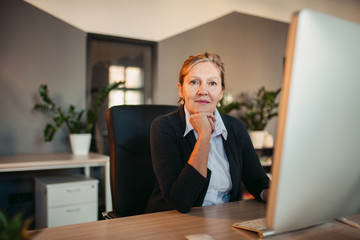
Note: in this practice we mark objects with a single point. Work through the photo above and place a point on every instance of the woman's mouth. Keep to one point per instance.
(202, 101)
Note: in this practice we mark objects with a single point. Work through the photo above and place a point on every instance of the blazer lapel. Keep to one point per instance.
(189, 139)
(235, 168)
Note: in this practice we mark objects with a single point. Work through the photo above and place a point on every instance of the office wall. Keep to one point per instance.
(36, 48)
(252, 49)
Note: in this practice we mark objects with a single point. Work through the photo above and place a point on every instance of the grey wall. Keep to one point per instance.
(252, 49)
(36, 48)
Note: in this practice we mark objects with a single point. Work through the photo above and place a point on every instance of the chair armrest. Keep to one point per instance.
(110, 215)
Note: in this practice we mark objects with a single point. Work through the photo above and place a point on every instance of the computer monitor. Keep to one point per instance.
(316, 165)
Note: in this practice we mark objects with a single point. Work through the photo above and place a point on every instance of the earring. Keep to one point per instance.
(218, 104)
(181, 101)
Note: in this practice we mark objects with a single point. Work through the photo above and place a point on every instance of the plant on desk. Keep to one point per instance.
(79, 126)
(254, 111)
(15, 228)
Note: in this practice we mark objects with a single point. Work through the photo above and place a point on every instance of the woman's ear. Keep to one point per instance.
(221, 95)
(179, 86)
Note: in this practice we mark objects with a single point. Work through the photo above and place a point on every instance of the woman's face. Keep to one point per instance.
(201, 88)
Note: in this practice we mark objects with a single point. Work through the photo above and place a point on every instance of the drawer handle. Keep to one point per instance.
(73, 190)
(73, 210)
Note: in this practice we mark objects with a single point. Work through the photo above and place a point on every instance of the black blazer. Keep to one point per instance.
(179, 186)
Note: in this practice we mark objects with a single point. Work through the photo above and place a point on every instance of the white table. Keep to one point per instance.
(35, 162)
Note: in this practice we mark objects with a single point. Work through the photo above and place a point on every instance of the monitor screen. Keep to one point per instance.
(316, 167)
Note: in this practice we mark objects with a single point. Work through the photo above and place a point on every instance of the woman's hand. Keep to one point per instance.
(265, 195)
(203, 123)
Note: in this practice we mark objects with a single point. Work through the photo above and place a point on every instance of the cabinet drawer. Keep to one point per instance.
(80, 213)
(69, 194)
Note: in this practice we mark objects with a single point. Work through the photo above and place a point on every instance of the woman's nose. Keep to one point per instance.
(202, 89)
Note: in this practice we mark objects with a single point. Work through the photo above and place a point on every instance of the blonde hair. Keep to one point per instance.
(204, 57)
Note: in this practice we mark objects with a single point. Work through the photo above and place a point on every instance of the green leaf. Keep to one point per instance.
(257, 110)
(15, 228)
(3, 221)
(15, 225)
(42, 107)
(49, 132)
(71, 109)
(73, 119)
(93, 111)
(43, 92)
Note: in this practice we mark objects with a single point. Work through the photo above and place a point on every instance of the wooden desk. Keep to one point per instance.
(35, 162)
(213, 220)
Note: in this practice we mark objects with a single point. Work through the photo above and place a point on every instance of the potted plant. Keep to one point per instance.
(15, 228)
(79, 126)
(227, 104)
(255, 112)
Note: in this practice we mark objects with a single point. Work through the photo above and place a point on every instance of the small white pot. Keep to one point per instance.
(80, 143)
(257, 138)
(268, 141)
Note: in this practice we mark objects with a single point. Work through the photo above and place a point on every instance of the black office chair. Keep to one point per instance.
(131, 174)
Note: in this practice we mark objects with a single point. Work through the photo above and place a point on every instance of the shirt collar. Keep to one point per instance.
(220, 128)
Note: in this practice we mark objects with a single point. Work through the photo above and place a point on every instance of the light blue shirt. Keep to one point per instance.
(220, 180)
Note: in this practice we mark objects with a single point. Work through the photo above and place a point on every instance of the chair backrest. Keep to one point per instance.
(131, 174)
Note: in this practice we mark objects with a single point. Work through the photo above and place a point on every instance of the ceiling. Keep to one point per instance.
(155, 20)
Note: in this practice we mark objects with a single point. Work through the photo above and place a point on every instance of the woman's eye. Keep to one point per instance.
(213, 83)
(193, 82)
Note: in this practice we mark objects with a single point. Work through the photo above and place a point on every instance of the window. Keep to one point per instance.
(111, 59)
(118, 59)
(132, 92)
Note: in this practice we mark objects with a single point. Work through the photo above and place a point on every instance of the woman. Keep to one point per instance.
(200, 157)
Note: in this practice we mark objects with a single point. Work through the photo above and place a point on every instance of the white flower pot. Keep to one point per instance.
(268, 140)
(257, 138)
(80, 143)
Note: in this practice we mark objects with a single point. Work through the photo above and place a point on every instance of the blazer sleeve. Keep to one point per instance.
(180, 184)
(254, 176)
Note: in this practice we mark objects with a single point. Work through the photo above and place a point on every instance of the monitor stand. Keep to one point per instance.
(348, 222)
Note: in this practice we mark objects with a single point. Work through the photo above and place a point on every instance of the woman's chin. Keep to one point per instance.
(203, 109)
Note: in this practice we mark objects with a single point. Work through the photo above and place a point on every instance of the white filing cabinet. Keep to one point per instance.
(64, 200)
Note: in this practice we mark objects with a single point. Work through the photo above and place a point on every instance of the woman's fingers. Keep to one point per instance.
(212, 120)
(203, 122)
